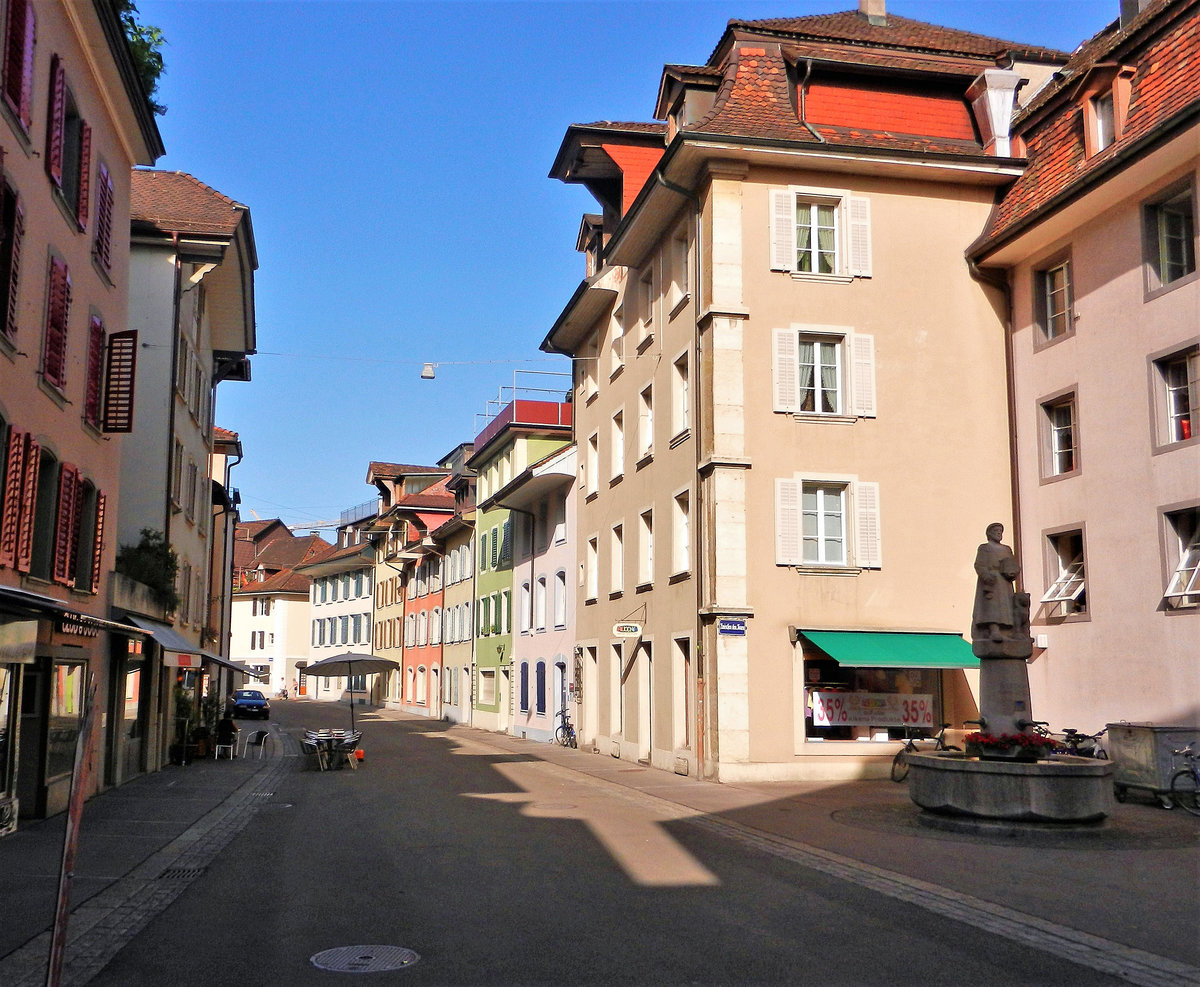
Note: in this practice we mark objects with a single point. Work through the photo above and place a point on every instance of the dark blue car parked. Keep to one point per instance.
(249, 702)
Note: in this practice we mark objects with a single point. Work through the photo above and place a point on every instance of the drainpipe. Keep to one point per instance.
(803, 100)
(1000, 283)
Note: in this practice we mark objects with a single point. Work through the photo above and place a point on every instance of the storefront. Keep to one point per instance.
(880, 686)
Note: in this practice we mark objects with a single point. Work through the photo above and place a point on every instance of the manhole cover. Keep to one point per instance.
(364, 959)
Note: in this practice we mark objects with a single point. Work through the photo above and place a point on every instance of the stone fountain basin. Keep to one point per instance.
(1060, 788)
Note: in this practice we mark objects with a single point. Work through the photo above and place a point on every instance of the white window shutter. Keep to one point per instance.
(785, 375)
(787, 522)
(859, 236)
(867, 549)
(862, 379)
(783, 230)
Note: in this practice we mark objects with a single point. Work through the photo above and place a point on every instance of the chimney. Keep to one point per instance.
(875, 11)
(993, 97)
(1130, 9)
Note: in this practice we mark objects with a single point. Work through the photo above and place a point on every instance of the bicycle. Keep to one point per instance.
(1185, 783)
(564, 736)
(1082, 744)
(900, 761)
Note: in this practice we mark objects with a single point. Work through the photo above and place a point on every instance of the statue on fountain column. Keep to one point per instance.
(1000, 619)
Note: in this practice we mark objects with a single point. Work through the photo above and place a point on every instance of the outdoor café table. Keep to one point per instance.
(329, 742)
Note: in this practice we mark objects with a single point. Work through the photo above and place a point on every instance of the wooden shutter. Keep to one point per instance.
(95, 367)
(862, 375)
(10, 510)
(20, 32)
(98, 542)
(14, 265)
(867, 551)
(54, 349)
(785, 376)
(29, 486)
(64, 527)
(119, 378)
(102, 248)
(858, 215)
(85, 174)
(56, 122)
(788, 545)
(783, 230)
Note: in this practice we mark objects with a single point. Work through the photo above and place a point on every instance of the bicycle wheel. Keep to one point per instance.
(573, 740)
(561, 737)
(900, 765)
(1184, 791)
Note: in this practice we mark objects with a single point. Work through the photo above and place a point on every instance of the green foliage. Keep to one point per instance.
(145, 44)
(154, 564)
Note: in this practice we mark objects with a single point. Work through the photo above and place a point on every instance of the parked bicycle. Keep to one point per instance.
(1185, 783)
(1082, 744)
(565, 734)
(900, 761)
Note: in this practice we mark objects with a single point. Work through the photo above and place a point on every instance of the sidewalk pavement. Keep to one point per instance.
(1124, 897)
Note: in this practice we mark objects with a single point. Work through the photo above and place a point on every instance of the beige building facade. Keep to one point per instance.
(790, 407)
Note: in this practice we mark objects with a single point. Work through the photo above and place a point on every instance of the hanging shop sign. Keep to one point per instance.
(180, 659)
(627, 628)
(878, 709)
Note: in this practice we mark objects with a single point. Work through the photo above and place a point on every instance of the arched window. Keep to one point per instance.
(524, 678)
(560, 598)
(452, 567)
(422, 629)
(541, 688)
(435, 626)
(422, 686)
(523, 602)
(539, 605)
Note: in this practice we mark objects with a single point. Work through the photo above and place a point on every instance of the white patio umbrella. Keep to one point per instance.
(347, 664)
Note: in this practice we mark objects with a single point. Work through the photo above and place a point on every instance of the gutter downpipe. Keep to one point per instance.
(803, 100)
(1001, 283)
(701, 540)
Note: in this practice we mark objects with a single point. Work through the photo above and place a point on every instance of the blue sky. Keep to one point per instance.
(394, 158)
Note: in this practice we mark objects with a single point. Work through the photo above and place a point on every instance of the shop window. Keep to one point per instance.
(66, 711)
(850, 703)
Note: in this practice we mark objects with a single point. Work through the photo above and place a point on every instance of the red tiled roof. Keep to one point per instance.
(175, 202)
(223, 434)
(897, 32)
(1163, 45)
(283, 553)
(284, 581)
(640, 128)
(400, 469)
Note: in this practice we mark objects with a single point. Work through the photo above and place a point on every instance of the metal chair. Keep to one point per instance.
(231, 747)
(314, 750)
(347, 747)
(256, 738)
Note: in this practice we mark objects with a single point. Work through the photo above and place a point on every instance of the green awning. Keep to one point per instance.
(893, 649)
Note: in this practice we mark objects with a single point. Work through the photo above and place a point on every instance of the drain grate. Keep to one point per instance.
(261, 795)
(181, 873)
(364, 959)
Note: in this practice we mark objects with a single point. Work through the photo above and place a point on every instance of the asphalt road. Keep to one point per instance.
(499, 868)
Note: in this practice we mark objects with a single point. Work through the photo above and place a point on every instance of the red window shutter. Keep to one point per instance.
(102, 249)
(85, 174)
(75, 563)
(91, 395)
(10, 511)
(64, 528)
(29, 485)
(54, 348)
(20, 32)
(55, 122)
(14, 262)
(119, 380)
(98, 544)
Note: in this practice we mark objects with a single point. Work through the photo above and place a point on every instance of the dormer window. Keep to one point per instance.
(1102, 109)
(1105, 106)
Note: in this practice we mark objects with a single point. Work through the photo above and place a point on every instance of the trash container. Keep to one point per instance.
(1142, 753)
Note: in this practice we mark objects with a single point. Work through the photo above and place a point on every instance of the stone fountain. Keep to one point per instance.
(1007, 773)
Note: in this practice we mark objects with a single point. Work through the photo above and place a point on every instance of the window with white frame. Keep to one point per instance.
(681, 411)
(646, 422)
(539, 604)
(1183, 547)
(681, 540)
(1103, 112)
(1066, 576)
(435, 626)
(523, 602)
(560, 598)
(617, 345)
(559, 515)
(592, 465)
(645, 299)
(618, 445)
(820, 233)
(827, 522)
(646, 547)
(1177, 382)
(1054, 299)
(616, 554)
(591, 569)
(504, 606)
(356, 629)
(1060, 438)
(1171, 237)
(823, 371)
(679, 267)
